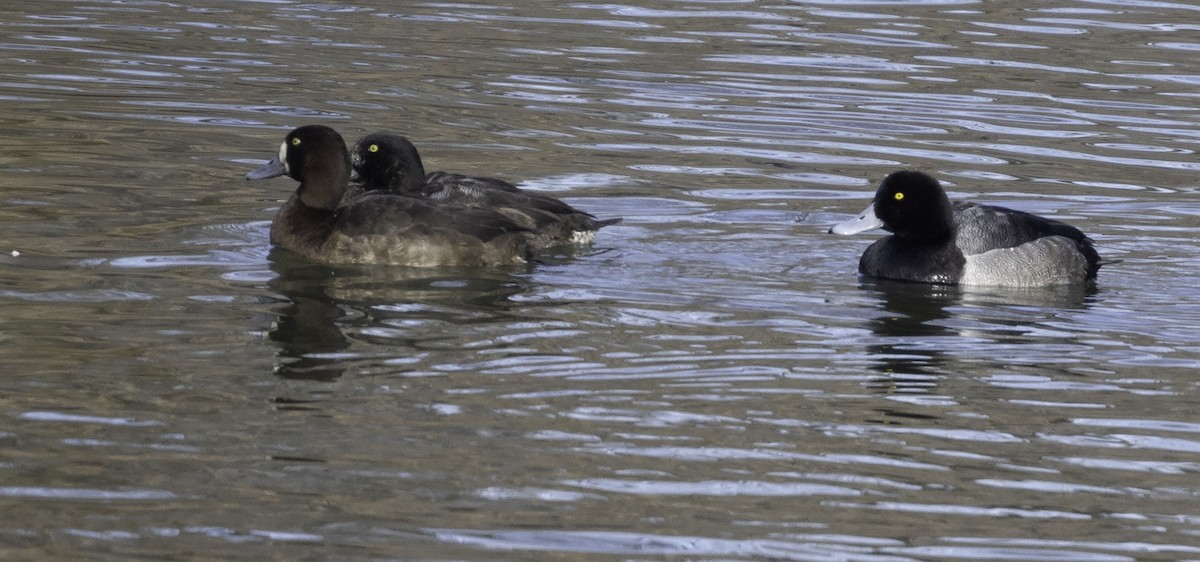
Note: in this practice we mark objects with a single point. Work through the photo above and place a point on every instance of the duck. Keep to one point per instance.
(937, 241)
(390, 162)
(324, 222)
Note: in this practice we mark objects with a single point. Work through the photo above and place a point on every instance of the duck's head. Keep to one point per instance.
(315, 156)
(909, 204)
(387, 161)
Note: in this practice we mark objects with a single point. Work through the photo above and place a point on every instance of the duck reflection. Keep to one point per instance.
(324, 302)
(906, 349)
(921, 325)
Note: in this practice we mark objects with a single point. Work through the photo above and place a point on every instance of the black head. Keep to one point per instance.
(387, 161)
(914, 206)
(315, 156)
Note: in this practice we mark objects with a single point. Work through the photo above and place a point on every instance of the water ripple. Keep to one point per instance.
(76, 418)
(711, 488)
(88, 494)
(643, 544)
(713, 354)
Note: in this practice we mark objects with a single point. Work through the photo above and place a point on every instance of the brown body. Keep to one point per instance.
(322, 223)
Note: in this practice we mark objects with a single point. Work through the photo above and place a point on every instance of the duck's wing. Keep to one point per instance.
(471, 186)
(981, 228)
(535, 211)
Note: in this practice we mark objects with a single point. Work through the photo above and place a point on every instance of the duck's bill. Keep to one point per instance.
(865, 221)
(272, 169)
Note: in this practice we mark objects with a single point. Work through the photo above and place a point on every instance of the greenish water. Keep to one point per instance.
(710, 381)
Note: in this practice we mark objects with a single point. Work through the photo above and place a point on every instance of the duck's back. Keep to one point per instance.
(984, 227)
(553, 221)
(445, 184)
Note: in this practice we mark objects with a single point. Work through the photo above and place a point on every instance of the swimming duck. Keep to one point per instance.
(936, 241)
(321, 222)
(389, 162)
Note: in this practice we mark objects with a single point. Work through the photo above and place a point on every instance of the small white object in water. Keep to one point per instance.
(583, 236)
(15, 253)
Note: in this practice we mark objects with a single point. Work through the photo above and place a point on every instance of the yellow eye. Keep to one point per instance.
(899, 196)
(373, 148)
(296, 141)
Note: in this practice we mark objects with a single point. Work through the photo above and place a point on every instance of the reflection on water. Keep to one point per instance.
(711, 380)
(913, 343)
(909, 336)
(924, 320)
(308, 335)
(324, 302)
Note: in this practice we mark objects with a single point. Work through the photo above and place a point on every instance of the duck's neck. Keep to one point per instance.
(406, 177)
(306, 220)
(411, 181)
(939, 227)
(324, 189)
(299, 226)
(933, 234)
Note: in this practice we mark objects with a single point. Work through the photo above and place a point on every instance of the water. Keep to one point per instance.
(710, 381)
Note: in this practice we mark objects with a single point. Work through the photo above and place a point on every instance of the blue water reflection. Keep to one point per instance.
(710, 380)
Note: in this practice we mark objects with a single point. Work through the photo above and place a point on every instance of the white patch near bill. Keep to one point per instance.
(283, 156)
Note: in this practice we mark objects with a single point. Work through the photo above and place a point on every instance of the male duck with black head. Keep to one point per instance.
(322, 223)
(390, 162)
(961, 243)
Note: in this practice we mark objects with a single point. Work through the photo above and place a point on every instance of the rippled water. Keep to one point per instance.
(710, 381)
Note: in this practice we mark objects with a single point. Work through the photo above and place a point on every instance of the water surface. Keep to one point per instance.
(709, 381)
